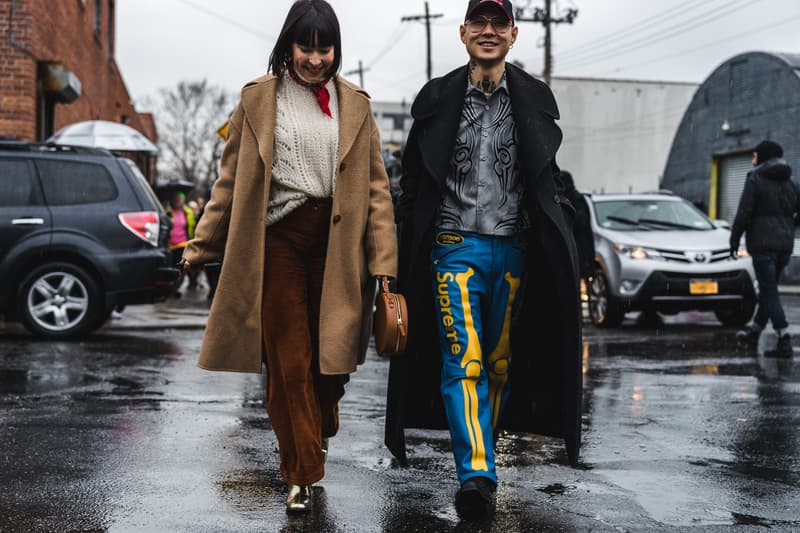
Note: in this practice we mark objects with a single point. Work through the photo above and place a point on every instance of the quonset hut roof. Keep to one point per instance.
(793, 60)
(748, 98)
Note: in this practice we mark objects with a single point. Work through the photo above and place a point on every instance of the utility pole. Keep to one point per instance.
(360, 71)
(427, 17)
(545, 17)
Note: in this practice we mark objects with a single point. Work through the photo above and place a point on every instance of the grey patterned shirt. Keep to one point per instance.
(483, 191)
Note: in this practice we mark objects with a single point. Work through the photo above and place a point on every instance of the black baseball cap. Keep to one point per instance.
(505, 5)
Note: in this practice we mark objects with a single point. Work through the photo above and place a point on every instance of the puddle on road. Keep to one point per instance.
(557, 489)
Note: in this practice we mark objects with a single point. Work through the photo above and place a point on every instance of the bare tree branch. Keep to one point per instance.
(188, 118)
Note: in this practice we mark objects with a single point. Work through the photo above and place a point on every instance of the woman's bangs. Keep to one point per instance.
(314, 30)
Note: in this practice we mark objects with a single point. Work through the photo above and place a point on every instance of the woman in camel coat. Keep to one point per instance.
(303, 217)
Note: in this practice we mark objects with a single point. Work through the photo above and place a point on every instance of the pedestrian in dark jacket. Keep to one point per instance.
(767, 215)
(487, 263)
(584, 237)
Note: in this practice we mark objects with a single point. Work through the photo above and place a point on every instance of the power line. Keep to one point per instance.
(546, 18)
(231, 21)
(685, 51)
(650, 40)
(677, 28)
(393, 40)
(633, 28)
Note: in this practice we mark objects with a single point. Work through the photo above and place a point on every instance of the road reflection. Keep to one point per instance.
(692, 411)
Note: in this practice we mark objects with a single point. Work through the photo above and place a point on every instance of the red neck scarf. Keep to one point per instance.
(319, 90)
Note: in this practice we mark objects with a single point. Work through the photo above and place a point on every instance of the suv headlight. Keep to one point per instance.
(637, 252)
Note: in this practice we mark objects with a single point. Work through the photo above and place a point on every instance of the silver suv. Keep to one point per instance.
(659, 253)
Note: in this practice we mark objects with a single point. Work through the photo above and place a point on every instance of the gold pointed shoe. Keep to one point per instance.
(324, 450)
(299, 499)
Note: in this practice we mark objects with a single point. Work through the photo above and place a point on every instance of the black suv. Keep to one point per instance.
(81, 232)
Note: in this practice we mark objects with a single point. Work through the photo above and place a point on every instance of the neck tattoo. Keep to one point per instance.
(487, 85)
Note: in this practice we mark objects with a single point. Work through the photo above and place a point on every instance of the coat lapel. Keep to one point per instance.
(441, 114)
(534, 111)
(353, 109)
(258, 101)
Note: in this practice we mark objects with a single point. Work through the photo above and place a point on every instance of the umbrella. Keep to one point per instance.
(104, 134)
(165, 190)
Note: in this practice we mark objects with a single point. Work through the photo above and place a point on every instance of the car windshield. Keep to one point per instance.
(650, 215)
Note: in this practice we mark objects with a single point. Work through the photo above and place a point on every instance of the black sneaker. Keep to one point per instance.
(749, 335)
(475, 498)
(783, 349)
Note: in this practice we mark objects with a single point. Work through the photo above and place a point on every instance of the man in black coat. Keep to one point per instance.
(767, 215)
(488, 264)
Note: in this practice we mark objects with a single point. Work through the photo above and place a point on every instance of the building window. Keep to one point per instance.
(98, 19)
(111, 36)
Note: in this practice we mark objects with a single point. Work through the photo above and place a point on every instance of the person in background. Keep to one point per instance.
(306, 226)
(211, 270)
(767, 215)
(584, 237)
(196, 208)
(183, 224)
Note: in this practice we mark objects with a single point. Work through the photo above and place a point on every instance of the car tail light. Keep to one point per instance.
(143, 224)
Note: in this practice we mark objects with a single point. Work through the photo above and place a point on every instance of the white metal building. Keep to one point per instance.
(394, 121)
(617, 133)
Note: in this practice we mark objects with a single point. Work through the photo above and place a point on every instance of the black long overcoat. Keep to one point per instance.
(546, 377)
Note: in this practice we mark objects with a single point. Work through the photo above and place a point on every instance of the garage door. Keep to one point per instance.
(732, 174)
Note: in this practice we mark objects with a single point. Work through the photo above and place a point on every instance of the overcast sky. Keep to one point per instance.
(162, 42)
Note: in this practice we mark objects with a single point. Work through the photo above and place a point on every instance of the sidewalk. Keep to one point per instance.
(190, 311)
(789, 289)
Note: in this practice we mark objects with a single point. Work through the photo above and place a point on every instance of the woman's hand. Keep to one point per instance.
(186, 267)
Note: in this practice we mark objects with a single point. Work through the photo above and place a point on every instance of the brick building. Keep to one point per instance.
(57, 67)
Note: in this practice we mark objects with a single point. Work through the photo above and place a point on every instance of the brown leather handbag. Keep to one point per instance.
(390, 324)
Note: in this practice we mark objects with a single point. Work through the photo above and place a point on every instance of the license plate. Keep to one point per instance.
(703, 286)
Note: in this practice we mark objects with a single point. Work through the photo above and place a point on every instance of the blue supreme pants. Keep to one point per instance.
(477, 285)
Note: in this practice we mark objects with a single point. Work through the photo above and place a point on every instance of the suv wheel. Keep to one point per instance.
(738, 316)
(60, 301)
(603, 308)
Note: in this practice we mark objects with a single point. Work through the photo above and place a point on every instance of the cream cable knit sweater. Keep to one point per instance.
(306, 149)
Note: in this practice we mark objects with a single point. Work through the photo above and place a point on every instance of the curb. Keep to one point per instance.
(151, 327)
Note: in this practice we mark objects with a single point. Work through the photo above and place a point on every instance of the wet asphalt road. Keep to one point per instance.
(683, 430)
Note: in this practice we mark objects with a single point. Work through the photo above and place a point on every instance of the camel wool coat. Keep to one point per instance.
(361, 244)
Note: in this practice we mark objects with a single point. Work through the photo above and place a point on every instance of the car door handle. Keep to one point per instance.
(27, 221)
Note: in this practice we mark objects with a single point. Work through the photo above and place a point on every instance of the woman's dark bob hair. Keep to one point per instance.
(309, 23)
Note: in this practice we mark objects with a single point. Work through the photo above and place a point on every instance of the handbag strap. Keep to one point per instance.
(385, 285)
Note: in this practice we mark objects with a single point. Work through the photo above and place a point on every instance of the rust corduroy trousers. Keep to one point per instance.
(302, 404)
